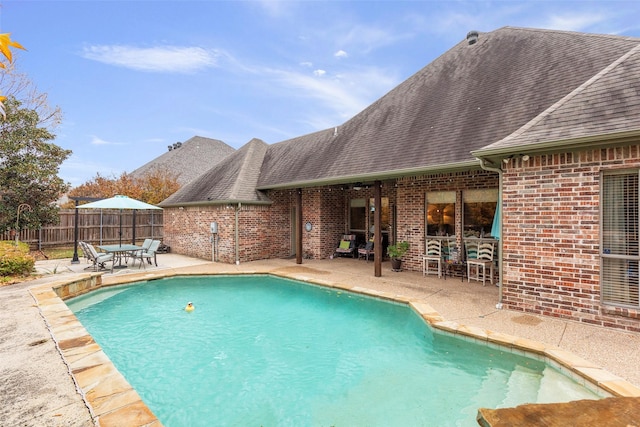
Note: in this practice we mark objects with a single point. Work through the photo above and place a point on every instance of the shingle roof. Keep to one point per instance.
(468, 98)
(194, 157)
(233, 180)
(607, 105)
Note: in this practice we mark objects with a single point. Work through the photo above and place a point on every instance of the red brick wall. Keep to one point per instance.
(187, 231)
(411, 193)
(325, 208)
(551, 228)
(264, 230)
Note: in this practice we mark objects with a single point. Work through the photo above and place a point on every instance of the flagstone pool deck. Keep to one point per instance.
(52, 373)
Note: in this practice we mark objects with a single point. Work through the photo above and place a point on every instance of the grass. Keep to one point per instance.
(60, 253)
(10, 280)
(50, 253)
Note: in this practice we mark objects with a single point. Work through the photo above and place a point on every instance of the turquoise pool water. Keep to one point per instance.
(265, 351)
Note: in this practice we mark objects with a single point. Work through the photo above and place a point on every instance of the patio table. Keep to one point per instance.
(453, 267)
(120, 251)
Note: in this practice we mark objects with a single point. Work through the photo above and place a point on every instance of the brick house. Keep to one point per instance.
(529, 139)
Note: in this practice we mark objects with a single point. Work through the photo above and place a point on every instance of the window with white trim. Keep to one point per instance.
(619, 238)
(441, 213)
(479, 209)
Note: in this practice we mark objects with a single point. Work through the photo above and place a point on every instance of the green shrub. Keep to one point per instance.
(15, 260)
(398, 251)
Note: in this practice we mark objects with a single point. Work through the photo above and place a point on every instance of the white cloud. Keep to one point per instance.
(343, 95)
(306, 64)
(170, 59)
(560, 16)
(99, 141)
(276, 8)
(368, 38)
(573, 21)
(341, 54)
(319, 73)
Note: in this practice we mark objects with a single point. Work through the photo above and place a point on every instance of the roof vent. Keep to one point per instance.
(472, 37)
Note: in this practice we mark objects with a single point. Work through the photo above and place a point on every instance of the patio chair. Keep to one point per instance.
(146, 254)
(347, 245)
(471, 250)
(432, 256)
(146, 244)
(98, 260)
(367, 250)
(483, 261)
(85, 251)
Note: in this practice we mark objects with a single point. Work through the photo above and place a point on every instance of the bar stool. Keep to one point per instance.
(483, 261)
(433, 256)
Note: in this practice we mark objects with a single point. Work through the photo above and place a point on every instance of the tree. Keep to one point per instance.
(29, 166)
(14, 83)
(5, 49)
(153, 187)
(20, 86)
(158, 185)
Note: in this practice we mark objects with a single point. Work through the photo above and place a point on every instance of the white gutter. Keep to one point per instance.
(237, 244)
(372, 176)
(499, 171)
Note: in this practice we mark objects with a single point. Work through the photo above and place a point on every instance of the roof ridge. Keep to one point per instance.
(207, 140)
(247, 164)
(568, 97)
(551, 30)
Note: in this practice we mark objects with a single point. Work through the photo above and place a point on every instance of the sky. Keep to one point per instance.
(132, 77)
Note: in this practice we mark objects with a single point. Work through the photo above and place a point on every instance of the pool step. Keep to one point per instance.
(522, 387)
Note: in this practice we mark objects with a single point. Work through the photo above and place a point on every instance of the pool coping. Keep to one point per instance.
(112, 401)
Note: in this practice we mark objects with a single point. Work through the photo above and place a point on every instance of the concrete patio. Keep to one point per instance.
(38, 390)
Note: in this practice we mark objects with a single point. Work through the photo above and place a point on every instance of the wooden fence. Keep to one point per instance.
(94, 226)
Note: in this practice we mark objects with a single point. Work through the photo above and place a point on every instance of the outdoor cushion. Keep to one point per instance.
(344, 244)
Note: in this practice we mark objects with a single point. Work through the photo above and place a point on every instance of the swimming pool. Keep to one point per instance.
(260, 350)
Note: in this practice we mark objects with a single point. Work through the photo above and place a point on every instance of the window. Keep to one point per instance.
(479, 210)
(619, 247)
(441, 213)
(384, 215)
(358, 214)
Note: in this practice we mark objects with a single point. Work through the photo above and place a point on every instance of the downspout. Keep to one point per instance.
(499, 171)
(238, 234)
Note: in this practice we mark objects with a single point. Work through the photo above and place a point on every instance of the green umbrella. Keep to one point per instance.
(119, 202)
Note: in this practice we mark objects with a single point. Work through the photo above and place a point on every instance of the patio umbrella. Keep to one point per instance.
(495, 228)
(119, 202)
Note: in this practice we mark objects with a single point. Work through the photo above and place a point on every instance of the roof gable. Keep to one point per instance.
(233, 180)
(605, 106)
